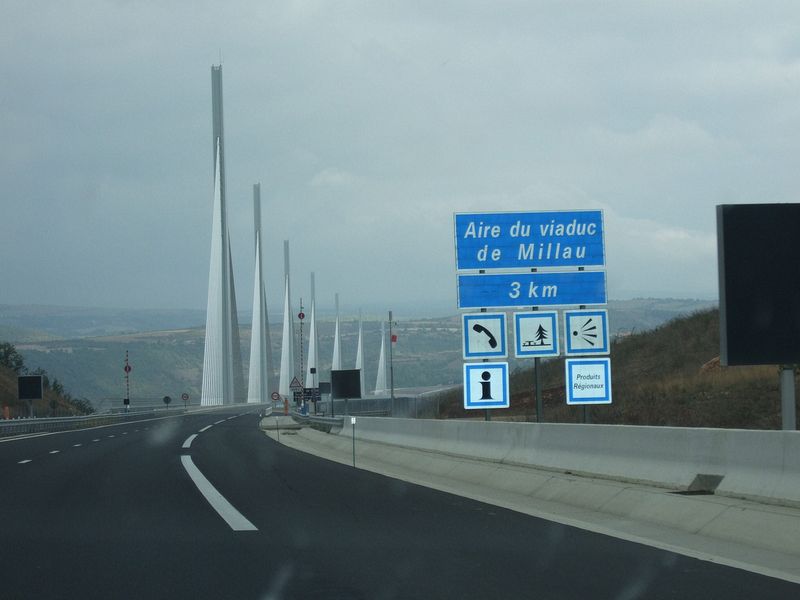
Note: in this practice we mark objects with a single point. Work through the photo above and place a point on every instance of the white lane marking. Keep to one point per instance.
(77, 445)
(54, 451)
(225, 509)
(206, 428)
(22, 462)
(189, 440)
(218, 422)
(110, 436)
(229, 418)
(97, 440)
(124, 433)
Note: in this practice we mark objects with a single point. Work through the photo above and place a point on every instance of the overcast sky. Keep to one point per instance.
(368, 124)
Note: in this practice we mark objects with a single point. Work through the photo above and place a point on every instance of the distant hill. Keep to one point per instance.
(668, 376)
(169, 361)
(32, 323)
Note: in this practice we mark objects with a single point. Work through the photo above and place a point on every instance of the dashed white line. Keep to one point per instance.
(206, 428)
(225, 509)
(218, 422)
(77, 445)
(54, 451)
(124, 433)
(22, 462)
(110, 436)
(189, 440)
(97, 440)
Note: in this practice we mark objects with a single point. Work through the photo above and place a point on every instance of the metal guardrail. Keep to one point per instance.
(318, 422)
(13, 427)
(47, 424)
(408, 407)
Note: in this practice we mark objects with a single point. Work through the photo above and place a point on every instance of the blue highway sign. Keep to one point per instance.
(586, 332)
(484, 335)
(535, 334)
(524, 240)
(588, 380)
(501, 290)
(486, 385)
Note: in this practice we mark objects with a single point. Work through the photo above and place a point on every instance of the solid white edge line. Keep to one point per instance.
(206, 428)
(189, 440)
(225, 509)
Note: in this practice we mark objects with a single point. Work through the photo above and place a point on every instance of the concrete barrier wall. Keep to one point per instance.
(762, 465)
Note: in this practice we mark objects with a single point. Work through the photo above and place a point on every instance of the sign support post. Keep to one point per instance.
(487, 416)
(587, 417)
(788, 410)
(537, 382)
(127, 368)
(301, 315)
(391, 365)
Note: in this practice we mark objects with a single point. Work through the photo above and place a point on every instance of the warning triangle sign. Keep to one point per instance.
(295, 386)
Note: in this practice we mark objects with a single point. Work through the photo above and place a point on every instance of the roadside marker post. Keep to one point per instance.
(353, 424)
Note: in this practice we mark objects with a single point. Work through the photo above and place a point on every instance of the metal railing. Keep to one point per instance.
(407, 407)
(318, 422)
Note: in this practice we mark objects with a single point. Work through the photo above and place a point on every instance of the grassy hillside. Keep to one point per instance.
(53, 404)
(667, 376)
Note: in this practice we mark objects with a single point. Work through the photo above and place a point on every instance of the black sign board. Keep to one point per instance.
(311, 394)
(759, 283)
(324, 387)
(29, 387)
(346, 384)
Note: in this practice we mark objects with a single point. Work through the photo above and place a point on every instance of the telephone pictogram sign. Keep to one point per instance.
(484, 335)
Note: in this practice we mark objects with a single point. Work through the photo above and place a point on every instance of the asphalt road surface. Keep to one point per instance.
(121, 512)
